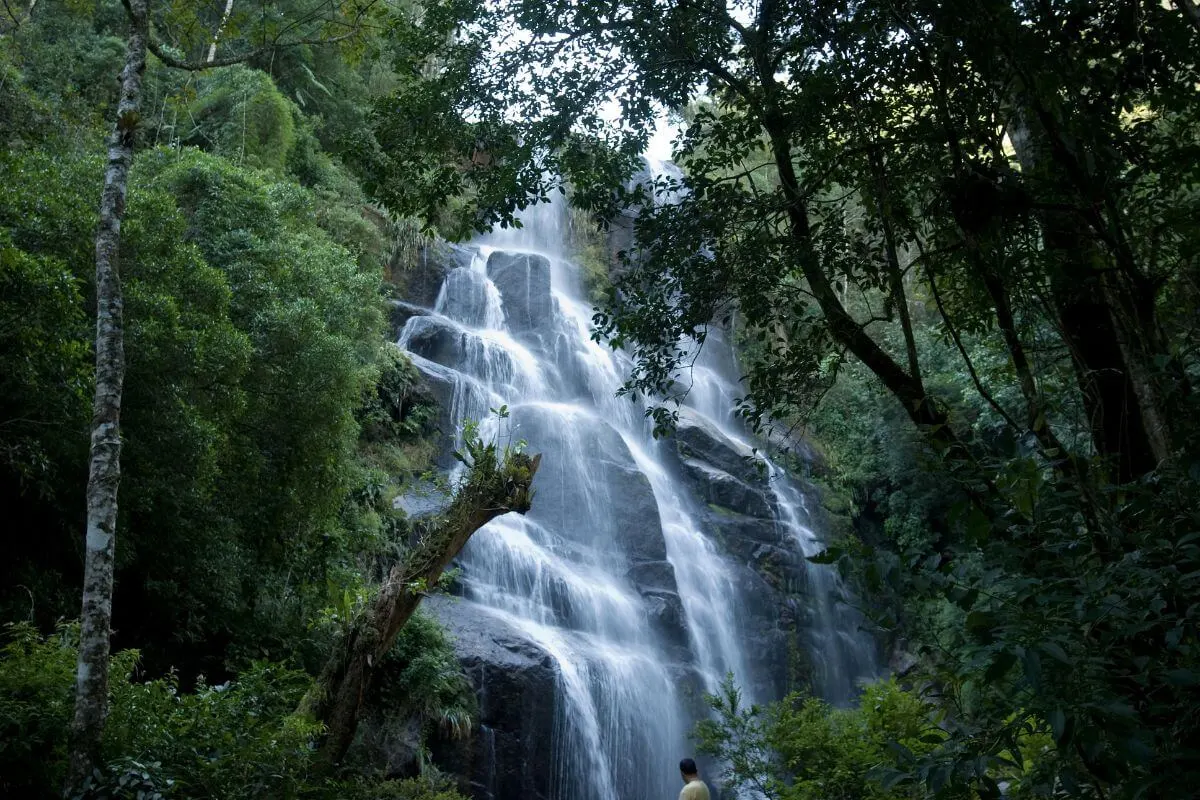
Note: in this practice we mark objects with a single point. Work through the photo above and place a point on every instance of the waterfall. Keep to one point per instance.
(842, 657)
(612, 578)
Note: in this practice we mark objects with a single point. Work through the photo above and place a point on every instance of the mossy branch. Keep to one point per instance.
(497, 482)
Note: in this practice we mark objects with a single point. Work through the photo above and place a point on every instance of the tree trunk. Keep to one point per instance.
(925, 411)
(91, 682)
(349, 674)
(1122, 423)
(212, 47)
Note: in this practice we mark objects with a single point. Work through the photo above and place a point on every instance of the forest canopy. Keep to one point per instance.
(956, 244)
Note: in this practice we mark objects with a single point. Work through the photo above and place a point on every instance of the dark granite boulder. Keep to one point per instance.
(516, 686)
(698, 439)
(436, 339)
(422, 278)
(720, 488)
(401, 313)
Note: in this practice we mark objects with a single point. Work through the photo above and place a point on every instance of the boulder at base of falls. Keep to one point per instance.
(515, 682)
(524, 283)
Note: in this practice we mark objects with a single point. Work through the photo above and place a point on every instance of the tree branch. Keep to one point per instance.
(1191, 10)
(269, 47)
(492, 488)
(979, 387)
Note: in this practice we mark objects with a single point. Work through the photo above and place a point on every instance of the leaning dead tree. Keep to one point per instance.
(493, 486)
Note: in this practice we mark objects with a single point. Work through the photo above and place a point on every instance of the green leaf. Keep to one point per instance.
(1182, 677)
(1001, 664)
(1056, 652)
(1058, 723)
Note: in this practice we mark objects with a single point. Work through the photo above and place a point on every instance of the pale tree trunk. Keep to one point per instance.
(91, 683)
(212, 48)
(347, 678)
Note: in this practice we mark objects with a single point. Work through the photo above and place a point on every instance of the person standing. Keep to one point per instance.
(693, 787)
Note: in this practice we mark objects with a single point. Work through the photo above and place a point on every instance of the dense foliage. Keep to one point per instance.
(231, 740)
(266, 423)
(960, 238)
(958, 241)
(800, 748)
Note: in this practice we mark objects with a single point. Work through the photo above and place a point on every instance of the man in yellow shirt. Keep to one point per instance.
(693, 787)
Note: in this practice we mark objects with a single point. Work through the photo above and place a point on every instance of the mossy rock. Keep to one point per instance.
(722, 510)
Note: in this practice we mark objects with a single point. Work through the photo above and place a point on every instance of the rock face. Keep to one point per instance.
(436, 339)
(401, 313)
(594, 467)
(464, 296)
(502, 759)
(422, 279)
(524, 284)
(454, 394)
(740, 516)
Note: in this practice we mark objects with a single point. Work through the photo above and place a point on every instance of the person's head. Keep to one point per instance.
(687, 768)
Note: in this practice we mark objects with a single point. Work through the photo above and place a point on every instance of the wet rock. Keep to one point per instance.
(465, 298)
(451, 389)
(524, 283)
(691, 688)
(423, 277)
(766, 640)
(782, 569)
(435, 339)
(638, 528)
(401, 313)
(667, 617)
(422, 500)
(698, 439)
(720, 488)
(594, 493)
(649, 575)
(739, 535)
(516, 687)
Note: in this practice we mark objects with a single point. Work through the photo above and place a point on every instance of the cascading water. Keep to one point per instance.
(611, 574)
(841, 656)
